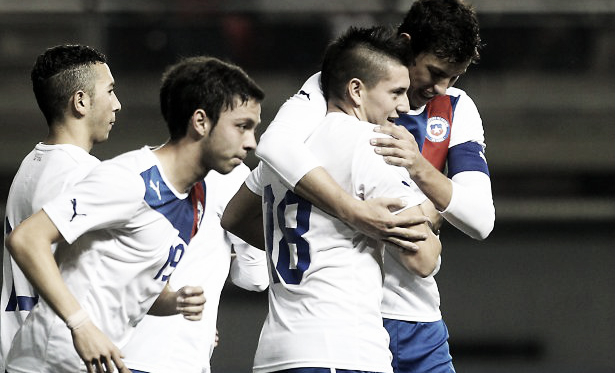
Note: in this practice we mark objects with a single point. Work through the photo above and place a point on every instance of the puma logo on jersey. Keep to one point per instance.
(75, 214)
(156, 188)
(482, 155)
(302, 92)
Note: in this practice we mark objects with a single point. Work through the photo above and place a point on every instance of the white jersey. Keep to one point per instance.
(282, 147)
(173, 344)
(44, 173)
(127, 228)
(406, 296)
(326, 279)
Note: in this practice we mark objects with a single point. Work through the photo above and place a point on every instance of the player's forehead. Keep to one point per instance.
(396, 77)
(103, 74)
(243, 110)
(441, 65)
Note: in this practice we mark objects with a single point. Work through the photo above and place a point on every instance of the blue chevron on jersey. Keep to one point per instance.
(179, 212)
(467, 156)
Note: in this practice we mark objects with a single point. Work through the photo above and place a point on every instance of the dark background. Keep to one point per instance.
(537, 295)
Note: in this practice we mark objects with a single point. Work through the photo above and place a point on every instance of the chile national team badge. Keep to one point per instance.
(438, 129)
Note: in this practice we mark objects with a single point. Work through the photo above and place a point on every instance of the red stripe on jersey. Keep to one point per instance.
(436, 152)
(197, 197)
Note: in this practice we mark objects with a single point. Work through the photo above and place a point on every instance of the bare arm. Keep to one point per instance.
(249, 266)
(424, 260)
(465, 201)
(30, 246)
(189, 301)
(372, 217)
(243, 217)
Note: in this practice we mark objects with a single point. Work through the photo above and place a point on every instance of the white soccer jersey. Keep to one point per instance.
(173, 344)
(127, 228)
(44, 173)
(282, 147)
(325, 278)
(410, 297)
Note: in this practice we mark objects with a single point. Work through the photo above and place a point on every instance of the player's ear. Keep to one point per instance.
(199, 123)
(79, 103)
(405, 35)
(354, 90)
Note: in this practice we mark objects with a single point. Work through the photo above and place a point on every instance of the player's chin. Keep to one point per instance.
(228, 166)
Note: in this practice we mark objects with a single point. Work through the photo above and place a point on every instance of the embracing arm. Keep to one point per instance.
(422, 261)
(283, 149)
(372, 217)
(30, 246)
(465, 200)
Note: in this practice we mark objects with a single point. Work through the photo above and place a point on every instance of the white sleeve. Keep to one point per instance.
(282, 146)
(254, 181)
(84, 208)
(471, 209)
(249, 268)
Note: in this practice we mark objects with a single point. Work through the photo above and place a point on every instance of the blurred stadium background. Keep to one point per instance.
(537, 295)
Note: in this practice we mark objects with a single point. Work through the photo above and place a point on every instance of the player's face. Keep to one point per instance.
(103, 105)
(232, 137)
(431, 76)
(387, 99)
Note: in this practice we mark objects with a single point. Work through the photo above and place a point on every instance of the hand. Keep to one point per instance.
(216, 339)
(96, 350)
(401, 150)
(191, 302)
(373, 218)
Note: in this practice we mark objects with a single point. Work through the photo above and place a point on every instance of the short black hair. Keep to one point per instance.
(447, 28)
(206, 83)
(360, 53)
(61, 71)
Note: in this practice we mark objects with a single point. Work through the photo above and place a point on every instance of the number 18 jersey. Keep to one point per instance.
(325, 278)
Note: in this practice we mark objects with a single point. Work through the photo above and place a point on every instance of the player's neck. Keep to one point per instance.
(67, 134)
(180, 164)
(342, 107)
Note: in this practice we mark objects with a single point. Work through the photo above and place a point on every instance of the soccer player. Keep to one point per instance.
(326, 278)
(445, 39)
(75, 91)
(173, 344)
(128, 223)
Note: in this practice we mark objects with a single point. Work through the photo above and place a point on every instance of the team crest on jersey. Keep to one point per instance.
(438, 129)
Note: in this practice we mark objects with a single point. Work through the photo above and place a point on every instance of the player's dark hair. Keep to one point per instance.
(61, 71)
(361, 53)
(203, 83)
(447, 28)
